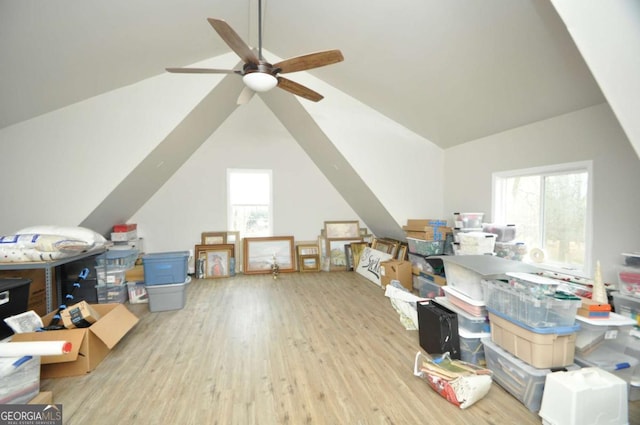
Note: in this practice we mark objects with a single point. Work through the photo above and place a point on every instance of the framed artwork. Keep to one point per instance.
(308, 257)
(309, 263)
(356, 251)
(385, 245)
(217, 259)
(336, 253)
(261, 252)
(213, 238)
(233, 238)
(342, 229)
(402, 252)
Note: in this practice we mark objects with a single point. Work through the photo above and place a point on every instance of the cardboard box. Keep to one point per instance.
(396, 270)
(80, 315)
(89, 345)
(437, 279)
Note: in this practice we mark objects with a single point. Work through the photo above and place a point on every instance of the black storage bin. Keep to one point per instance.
(14, 299)
(438, 329)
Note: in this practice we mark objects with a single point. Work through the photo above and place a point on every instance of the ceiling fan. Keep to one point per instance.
(260, 75)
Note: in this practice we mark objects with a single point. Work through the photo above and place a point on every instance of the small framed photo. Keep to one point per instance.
(260, 253)
(213, 238)
(309, 263)
(342, 229)
(217, 259)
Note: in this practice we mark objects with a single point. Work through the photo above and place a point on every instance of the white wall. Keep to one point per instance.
(58, 167)
(589, 134)
(403, 169)
(607, 35)
(194, 199)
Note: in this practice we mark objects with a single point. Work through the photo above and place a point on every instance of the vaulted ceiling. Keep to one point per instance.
(451, 71)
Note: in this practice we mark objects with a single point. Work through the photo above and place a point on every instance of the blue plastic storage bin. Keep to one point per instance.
(165, 267)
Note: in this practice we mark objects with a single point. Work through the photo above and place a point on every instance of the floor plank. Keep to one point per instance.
(307, 348)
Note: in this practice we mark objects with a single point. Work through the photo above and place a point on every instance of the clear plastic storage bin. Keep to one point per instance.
(626, 305)
(119, 258)
(536, 312)
(426, 288)
(422, 247)
(629, 281)
(108, 294)
(521, 380)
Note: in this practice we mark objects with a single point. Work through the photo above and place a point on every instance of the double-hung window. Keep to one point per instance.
(249, 202)
(551, 208)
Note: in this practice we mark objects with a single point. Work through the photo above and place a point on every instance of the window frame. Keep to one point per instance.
(498, 212)
(230, 206)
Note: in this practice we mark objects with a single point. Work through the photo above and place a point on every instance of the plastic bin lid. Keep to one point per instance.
(614, 319)
(469, 335)
(172, 254)
(444, 302)
(559, 330)
(11, 283)
(118, 253)
(533, 278)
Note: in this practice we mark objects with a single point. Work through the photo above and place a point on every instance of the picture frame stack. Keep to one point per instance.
(338, 237)
(219, 251)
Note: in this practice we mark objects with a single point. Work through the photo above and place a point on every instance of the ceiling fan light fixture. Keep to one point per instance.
(260, 81)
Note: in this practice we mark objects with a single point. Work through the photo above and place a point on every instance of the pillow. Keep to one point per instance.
(78, 233)
(44, 243)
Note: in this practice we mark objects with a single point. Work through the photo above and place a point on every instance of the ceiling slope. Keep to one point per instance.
(167, 157)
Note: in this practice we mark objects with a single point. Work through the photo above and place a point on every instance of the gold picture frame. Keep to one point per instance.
(260, 253)
(342, 229)
(213, 238)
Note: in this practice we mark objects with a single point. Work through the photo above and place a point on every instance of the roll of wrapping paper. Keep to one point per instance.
(34, 348)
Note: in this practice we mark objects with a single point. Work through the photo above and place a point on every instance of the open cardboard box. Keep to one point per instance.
(89, 345)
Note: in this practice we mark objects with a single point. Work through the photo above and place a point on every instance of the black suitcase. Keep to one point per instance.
(438, 329)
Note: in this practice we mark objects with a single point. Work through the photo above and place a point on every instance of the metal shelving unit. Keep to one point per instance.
(48, 267)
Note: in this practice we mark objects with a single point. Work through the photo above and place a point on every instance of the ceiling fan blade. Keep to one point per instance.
(234, 41)
(310, 61)
(245, 96)
(299, 89)
(202, 71)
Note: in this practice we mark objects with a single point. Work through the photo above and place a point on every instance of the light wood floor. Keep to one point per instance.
(307, 348)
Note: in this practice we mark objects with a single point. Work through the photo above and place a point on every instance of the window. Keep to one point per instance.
(551, 208)
(249, 202)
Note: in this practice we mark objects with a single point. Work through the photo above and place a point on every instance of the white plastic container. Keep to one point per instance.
(587, 396)
(476, 243)
(474, 307)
